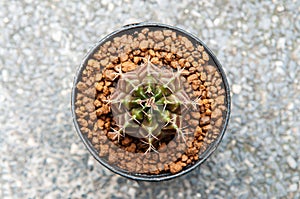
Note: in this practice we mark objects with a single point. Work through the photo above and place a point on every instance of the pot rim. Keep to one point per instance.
(150, 177)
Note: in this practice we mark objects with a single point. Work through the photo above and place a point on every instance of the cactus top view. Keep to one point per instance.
(150, 102)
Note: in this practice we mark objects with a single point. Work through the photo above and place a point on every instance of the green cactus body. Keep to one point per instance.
(149, 103)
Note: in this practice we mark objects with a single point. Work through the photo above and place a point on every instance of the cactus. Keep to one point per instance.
(149, 103)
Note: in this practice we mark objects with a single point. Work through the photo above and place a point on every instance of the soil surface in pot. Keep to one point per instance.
(168, 54)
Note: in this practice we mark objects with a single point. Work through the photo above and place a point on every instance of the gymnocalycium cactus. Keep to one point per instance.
(149, 103)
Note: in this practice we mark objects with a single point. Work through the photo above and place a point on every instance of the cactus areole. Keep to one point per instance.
(150, 102)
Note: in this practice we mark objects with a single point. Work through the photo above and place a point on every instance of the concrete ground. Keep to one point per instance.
(43, 42)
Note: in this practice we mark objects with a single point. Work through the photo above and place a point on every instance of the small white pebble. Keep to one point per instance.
(217, 21)
(5, 20)
(280, 8)
(264, 50)
(278, 65)
(2, 98)
(31, 142)
(275, 19)
(209, 23)
(110, 7)
(281, 43)
(250, 164)
(105, 2)
(293, 187)
(236, 89)
(74, 148)
(291, 162)
(5, 75)
(50, 160)
(290, 106)
(56, 35)
(195, 13)
(132, 192)
(20, 91)
(239, 24)
(90, 162)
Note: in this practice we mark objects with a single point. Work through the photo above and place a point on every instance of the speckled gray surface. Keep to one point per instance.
(43, 42)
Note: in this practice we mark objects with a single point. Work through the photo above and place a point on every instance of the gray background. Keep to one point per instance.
(43, 42)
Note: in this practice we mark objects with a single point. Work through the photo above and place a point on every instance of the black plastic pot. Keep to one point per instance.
(202, 157)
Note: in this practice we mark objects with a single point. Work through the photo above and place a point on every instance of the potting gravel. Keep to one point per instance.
(43, 42)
